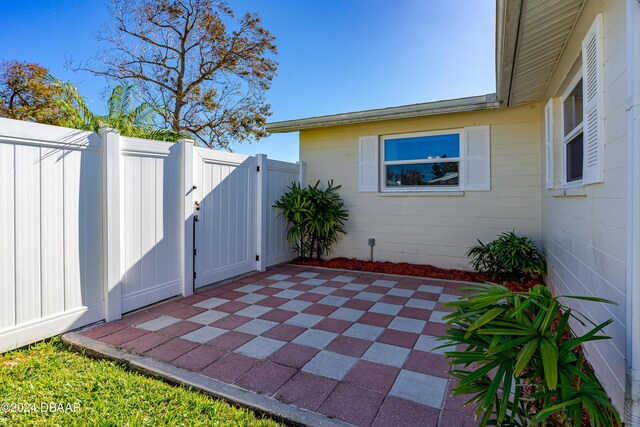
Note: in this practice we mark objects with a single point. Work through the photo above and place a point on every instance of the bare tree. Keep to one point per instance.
(206, 79)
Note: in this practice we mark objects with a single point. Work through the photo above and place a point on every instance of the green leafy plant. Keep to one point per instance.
(509, 254)
(132, 120)
(316, 217)
(521, 362)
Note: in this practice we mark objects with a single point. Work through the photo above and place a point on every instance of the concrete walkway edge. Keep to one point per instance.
(250, 400)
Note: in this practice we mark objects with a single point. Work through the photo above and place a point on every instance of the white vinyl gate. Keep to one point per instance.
(225, 215)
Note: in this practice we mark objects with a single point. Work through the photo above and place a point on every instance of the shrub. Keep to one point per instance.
(509, 254)
(522, 363)
(316, 218)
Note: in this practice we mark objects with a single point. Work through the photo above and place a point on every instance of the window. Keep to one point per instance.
(423, 161)
(572, 134)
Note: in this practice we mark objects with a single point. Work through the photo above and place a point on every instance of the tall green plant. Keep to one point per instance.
(316, 218)
(521, 361)
(132, 120)
(509, 254)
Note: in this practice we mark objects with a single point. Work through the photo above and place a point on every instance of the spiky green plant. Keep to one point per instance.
(510, 255)
(316, 217)
(520, 360)
(131, 120)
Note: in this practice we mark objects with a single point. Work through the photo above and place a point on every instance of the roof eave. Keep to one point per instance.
(508, 14)
(475, 103)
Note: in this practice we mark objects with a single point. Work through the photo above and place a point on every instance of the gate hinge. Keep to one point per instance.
(258, 168)
(194, 275)
(195, 252)
(257, 257)
(195, 218)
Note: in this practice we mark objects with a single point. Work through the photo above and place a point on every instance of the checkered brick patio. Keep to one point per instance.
(354, 346)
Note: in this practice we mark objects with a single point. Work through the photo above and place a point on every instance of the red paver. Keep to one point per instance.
(231, 340)
(232, 306)
(266, 377)
(345, 293)
(349, 346)
(306, 391)
(427, 363)
(435, 329)
(392, 299)
(456, 419)
(199, 358)
(333, 325)
(403, 413)
(376, 289)
(186, 312)
(358, 304)
(166, 307)
(293, 355)
(320, 309)
(180, 328)
(284, 332)
(415, 313)
(278, 315)
(302, 287)
(399, 338)
(171, 350)
(426, 295)
(103, 330)
(231, 295)
(310, 297)
(146, 342)
(122, 336)
(375, 319)
(231, 321)
(272, 302)
(230, 367)
(355, 405)
(373, 376)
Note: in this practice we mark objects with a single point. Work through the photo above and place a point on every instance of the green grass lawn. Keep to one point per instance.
(106, 392)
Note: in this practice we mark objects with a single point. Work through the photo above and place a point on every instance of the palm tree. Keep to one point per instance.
(135, 121)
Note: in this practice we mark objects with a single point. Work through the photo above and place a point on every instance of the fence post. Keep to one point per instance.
(186, 215)
(302, 176)
(261, 213)
(111, 224)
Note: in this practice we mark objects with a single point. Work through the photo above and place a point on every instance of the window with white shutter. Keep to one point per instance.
(592, 76)
(548, 139)
(369, 163)
(477, 163)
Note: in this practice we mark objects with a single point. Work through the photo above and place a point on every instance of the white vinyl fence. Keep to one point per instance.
(93, 226)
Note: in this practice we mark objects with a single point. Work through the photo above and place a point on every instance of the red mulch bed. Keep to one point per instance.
(419, 270)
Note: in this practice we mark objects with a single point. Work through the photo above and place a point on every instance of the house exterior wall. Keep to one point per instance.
(433, 228)
(584, 234)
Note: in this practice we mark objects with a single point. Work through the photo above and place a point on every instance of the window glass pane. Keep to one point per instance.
(574, 158)
(422, 147)
(423, 174)
(572, 109)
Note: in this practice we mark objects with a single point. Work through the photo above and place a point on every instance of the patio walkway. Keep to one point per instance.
(352, 346)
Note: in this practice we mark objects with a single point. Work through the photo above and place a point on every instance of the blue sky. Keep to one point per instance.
(335, 55)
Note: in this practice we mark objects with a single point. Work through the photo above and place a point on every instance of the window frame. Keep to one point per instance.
(573, 134)
(424, 189)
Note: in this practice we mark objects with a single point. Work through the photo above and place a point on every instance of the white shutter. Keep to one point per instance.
(592, 80)
(477, 159)
(369, 163)
(548, 140)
